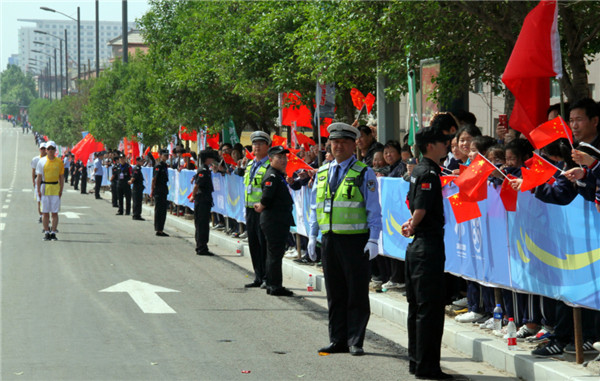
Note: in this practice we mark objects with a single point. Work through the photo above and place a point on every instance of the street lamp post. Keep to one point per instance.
(49, 64)
(58, 83)
(78, 20)
(66, 54)
(97, 39)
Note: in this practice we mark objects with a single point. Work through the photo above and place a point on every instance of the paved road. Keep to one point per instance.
(57, 325)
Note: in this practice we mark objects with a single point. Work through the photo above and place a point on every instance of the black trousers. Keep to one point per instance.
(97, 185)
(75, 179)
(114, 193)
(276, 234)
(160, 211)
(84, 183)
(66, 175)
(257, 244)
(72, 169)
(137, 195)
(202, 223)
(347, 275)
(564, 329)
(124, 190)
(425, 258)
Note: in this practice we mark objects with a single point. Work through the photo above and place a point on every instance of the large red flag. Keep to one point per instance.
(463, 210)
(279, 141)
(213, 141)
(295, 111)
(538, 171)
(369, 102)
(534, 59)
(186, 134)
(508, 195)
(358, 99)
(324, 124)
(550, 131)
(472, 183)
(295, 163)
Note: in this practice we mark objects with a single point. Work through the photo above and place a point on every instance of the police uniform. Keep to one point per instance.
(123, 187)
(425, 257)
(99, 170)
(76, 174)
(253, 176)
(84, 176)
(275, 222)
(160, 192)
(113, 183)
(203, 203)
(137, 192)
(346, 210)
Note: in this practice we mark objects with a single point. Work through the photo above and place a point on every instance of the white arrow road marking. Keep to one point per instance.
(2, 227)
(144, 295)
(72, 191)
(27, 190)
(75, 207)
(4, 206)
(2, 215)
(71, 214)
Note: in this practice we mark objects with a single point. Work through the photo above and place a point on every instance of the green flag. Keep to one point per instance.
(229, 134)
(413, 124)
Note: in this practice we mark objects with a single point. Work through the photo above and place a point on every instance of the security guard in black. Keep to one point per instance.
(137, 179)
(160, 191)
(123, 187)
(425, 258)
(203, 201)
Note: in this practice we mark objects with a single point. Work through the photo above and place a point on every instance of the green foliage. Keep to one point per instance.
(18, 89)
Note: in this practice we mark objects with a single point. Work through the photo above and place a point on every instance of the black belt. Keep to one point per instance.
(49, 182)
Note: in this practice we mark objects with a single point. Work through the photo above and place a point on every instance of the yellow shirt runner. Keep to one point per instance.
(51, 170)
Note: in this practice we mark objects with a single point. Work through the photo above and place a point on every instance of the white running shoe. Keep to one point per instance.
(488, 324)
(468, 317)
(390, 285)
(460, 303)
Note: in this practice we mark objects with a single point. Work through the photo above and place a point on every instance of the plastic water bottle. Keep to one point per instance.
(511, 332)
(497, 318)
(310, 284)
(239, 249)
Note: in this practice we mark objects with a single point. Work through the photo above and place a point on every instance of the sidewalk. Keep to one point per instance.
(473, 343)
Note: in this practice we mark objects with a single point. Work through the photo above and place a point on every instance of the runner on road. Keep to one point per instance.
(50, 182)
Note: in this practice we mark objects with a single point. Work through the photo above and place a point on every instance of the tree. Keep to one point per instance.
(18, 89)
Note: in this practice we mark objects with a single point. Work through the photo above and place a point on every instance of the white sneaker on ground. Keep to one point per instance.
(501, 333)
(488, 324)
(460, 303)
(525, 332)
(597, 346)
(469, 317)
(391, 285)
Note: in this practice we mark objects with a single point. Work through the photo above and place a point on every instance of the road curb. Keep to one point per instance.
(465, 338)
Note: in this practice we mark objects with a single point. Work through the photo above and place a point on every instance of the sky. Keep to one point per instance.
(12, 10)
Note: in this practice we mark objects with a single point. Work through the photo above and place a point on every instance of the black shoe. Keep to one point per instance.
(334, 348)
(356, 351)
(588, 346)
(207, 253)
(253, 284)
(434, 376)
(412, 367)
(98, 198)
(304, 261)
(47, 237)
(263, 285)
(282, 291)
(139, 218)
(53, 237)
(162, 234)
(119, 213)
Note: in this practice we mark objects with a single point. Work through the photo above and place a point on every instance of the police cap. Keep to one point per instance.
(428, 135)
(276, 150)
(164, 152)
(341, 130)
(260, 136)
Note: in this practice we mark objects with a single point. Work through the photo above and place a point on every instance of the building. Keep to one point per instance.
(13, 59)
(135, 43)
(36, 62)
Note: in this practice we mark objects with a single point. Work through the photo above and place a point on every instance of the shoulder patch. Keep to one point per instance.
(268, 183)
(371, 185)
(426, 186)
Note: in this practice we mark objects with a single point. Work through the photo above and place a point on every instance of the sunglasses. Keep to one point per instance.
(52, 148)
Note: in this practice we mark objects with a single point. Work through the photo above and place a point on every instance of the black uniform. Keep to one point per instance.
(73, 169)
(76, 174)
(84, 176)
(137, 192)
(203, 203)
(123, 188)
(275, 222)
(425, 258)
(113, 184)
(161, 190)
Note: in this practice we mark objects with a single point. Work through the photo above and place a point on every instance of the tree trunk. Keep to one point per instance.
(575, 87)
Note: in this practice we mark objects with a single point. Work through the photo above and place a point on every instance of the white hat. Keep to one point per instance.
(42, 145)
(260, 135)
(341, 130)
(50, 144)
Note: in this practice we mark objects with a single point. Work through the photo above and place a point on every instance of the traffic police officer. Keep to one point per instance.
(123, 187)
(203, 201)
(346, 209)
(114, 178)
(159, 191)
(137, 179)
(275, 208)
(253, 176)
(98, 172)
(425, 257)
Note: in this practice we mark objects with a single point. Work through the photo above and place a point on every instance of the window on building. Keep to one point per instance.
(554, 89)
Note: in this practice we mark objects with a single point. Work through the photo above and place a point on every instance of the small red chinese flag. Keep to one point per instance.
(213, 141)
(472, 183)
(538, 171)
(305, 140)
(550, 131)
(279, 141)
(369, 102)
(295, 163)
(446, 180)
(358, 99)
(229, 160)
(508, 195)
(463, 210)
(249, 154)
(191, 197)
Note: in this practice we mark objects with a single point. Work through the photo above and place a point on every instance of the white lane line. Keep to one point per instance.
(4, 206)
(2, 227)
(2, 215)
(27, 190)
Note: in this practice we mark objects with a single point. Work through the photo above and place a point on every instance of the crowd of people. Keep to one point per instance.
(345, 210)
